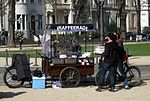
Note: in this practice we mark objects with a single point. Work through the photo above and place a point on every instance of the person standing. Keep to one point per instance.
(121, 53)
(110, 61)
(4, 36)
(20, 39)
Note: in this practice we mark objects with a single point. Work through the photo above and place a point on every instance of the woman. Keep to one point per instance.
(110, 61)
(121, 53)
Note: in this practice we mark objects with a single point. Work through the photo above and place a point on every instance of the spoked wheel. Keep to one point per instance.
(69, 77)
(10, 78)
(97, 77)
(134, 76)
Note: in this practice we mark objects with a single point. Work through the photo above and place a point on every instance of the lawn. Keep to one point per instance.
(30, 53)
(132, 49)
(138, 49)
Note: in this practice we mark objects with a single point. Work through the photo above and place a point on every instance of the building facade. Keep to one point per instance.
(59, 11)
(29, 18)
(32, 15)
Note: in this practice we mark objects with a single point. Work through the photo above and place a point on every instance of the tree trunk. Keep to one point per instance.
(1, 13)
(11, 24)
(122, 18)
(138, 11)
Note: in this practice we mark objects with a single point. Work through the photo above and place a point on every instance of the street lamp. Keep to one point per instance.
(100, 19)
(102, 22)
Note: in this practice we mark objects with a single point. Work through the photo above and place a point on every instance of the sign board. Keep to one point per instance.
(70, 27)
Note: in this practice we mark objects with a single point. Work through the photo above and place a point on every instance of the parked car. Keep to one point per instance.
(146, 37)
(130, 36)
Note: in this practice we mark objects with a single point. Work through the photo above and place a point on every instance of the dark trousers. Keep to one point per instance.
(121, 70)
(105, 68)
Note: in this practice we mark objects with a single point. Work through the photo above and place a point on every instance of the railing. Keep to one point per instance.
(34, 59)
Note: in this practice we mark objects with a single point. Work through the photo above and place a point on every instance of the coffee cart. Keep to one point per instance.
(68, 68)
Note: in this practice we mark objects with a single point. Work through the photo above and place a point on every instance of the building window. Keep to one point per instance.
(65, 1)
(66, 19)
(39, 1)
(32, 1)
(18, 22)
(39, 21)
(23, 22)
(33, 23)
(22, 0)
(133, 20)
(18, 0)
(132, 3)
(53, 17)
(149, 19)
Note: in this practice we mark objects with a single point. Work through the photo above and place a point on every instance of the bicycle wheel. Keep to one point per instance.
(69, 77)
(133, 76)
(10, 78)
(97, 77)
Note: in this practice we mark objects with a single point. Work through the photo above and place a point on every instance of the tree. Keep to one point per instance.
(81, 10)
(146, 30)
(3, 6)
(11, 23)
(138, 12)
(122, 14)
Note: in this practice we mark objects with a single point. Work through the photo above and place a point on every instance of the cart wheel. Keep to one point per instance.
(10, 78)
(69, 77)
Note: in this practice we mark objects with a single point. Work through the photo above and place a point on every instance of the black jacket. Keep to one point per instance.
(111, 53)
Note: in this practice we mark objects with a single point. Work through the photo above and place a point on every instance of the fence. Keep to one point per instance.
(5, 62)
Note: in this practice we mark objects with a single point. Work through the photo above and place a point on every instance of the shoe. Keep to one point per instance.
(126, 87)
(99, 89)
(112, 89)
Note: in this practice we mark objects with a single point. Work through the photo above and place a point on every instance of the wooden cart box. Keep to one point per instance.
(70, 61)
(57, 61)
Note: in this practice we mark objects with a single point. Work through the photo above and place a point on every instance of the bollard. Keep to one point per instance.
(6, 55)
(36, 58)
(28, 58)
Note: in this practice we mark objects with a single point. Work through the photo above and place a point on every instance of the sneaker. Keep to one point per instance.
(99, 89)
(112, 89)
(126, 87)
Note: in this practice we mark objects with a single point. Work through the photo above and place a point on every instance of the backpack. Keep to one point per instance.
(37, 73)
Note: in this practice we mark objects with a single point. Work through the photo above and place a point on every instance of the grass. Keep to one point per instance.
(133, 49)
(30, 53)
(138, 49)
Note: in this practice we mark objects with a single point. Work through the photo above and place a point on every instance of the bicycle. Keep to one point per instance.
(10, 76)
(132, 72)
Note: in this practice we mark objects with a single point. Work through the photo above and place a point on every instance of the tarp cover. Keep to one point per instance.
(20, 62)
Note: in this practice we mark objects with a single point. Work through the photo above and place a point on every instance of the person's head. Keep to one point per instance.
(112, 37)
(3, 29)
(118, 35)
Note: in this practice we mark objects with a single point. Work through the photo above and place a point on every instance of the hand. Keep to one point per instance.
(109, 41)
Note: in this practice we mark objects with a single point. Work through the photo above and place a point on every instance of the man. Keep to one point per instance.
(4, 37)
(110, 60)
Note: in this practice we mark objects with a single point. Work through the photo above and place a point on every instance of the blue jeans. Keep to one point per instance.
(105, 68)
(121, 70)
